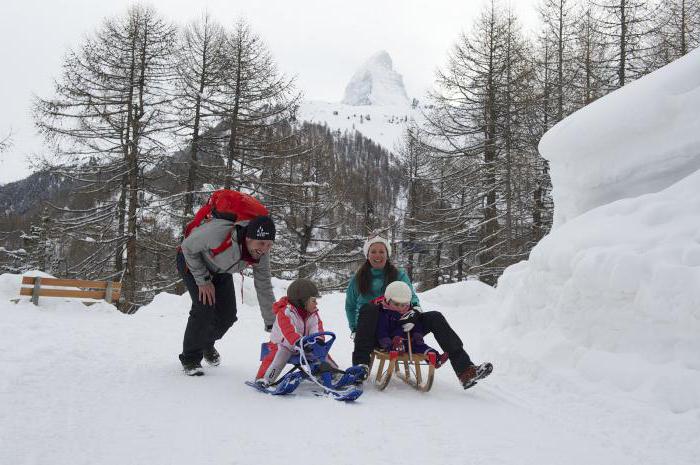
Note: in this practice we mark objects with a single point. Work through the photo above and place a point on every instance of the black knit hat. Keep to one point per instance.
(261, 228)
(300, 290)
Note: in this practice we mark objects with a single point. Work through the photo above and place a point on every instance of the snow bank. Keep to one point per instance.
(612, 292)
(639, 139)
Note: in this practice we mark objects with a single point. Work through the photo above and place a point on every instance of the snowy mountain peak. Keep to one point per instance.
(382, 59)
(376, 83)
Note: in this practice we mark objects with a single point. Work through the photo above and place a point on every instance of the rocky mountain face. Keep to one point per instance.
(376, 83)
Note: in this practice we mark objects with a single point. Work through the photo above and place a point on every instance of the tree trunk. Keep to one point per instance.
(623, 44)
(233, 120)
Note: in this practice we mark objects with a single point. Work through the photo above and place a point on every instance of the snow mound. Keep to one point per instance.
(613, 294)
(376, 83)
(639, 139)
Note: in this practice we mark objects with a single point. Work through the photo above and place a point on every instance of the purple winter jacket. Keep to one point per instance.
(388, 326)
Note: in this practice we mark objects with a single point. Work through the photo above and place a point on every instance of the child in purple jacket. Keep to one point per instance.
(395, 303)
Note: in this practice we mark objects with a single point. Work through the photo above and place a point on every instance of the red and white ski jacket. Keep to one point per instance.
(292, 323)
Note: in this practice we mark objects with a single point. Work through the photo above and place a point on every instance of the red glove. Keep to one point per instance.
(397, 344)
(441, 359)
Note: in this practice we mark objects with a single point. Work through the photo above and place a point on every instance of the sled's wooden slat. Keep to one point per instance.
(384, 376)
(417, 382)
(394, 365)
(419, 378)
(72, 283)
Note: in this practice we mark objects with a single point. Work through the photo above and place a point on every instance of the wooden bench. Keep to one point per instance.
(79, 288)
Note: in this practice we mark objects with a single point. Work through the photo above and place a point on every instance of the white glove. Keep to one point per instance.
(352, 335)
(408, 320)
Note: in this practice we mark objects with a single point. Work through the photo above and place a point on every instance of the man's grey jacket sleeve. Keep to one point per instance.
(262, 278)
(192, 248)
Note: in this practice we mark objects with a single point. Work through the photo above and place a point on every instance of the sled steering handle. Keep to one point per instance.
(313, 336)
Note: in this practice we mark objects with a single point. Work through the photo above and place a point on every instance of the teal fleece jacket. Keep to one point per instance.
(354, 300)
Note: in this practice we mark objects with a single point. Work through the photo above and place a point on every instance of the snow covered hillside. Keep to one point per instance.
(383, 124)
(86, 385)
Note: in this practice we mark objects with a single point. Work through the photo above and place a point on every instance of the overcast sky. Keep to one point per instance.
(321, 42)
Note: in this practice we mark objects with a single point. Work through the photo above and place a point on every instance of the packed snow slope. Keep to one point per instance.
(87, 385)
(639, 139)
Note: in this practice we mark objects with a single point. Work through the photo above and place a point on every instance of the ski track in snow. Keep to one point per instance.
(86, 385)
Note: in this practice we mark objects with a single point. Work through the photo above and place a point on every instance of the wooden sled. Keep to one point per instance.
(412, 371)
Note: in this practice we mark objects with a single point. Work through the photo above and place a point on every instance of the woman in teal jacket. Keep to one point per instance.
(377, 280)
(368, 284)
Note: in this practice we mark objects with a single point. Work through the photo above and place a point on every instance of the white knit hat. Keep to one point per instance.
(399, 292)
(374, 240)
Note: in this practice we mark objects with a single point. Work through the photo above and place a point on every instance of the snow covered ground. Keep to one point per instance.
(86, 385)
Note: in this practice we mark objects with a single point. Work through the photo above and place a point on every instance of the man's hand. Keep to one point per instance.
(206, 293)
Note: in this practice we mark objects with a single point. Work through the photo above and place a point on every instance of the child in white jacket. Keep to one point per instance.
(296, 316)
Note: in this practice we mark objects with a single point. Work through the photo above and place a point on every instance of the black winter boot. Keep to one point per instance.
(192, 368)
(211, 356)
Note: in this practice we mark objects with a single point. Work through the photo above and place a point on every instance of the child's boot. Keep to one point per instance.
(474, 373)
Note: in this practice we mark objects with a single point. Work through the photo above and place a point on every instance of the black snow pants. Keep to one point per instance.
(206, 323)
(433, 322)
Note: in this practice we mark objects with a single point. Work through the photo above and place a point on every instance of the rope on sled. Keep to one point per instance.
(305, 366)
